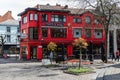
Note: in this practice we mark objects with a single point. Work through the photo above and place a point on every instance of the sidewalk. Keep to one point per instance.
(107, 71)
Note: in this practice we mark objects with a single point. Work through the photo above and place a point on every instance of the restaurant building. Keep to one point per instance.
(45, 23)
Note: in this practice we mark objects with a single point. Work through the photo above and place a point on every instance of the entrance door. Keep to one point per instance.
(33, 52)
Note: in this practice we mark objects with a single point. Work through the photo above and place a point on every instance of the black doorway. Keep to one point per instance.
(33, 52)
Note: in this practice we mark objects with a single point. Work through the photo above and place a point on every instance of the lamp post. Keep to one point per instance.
(17, 44)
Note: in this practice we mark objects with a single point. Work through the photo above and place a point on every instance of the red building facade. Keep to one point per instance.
(45, 23)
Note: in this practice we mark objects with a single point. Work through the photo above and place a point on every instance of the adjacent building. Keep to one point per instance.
(45, 23)
(10, 31)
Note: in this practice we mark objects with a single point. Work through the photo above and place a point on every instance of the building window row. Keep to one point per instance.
(55, 32)
(77, 32)
(58, 18)
(62, 33)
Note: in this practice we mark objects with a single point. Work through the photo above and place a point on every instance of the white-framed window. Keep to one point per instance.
(31, 16)
(88, 19)
(24, 19)
(98, 33)
(36, 16)
(8, 38)
(77, 32)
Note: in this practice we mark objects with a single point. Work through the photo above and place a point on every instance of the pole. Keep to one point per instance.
(16, 49)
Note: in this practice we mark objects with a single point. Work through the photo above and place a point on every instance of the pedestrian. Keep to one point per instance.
(117, 55)
(113, 56)
(51, 56)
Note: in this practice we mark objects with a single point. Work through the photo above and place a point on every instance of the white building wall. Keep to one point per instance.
(13, 34)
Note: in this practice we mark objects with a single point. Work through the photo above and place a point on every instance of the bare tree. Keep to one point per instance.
(2, 42)
(109, 11)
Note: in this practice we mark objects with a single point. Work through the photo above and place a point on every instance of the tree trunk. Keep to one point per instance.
(80, 58)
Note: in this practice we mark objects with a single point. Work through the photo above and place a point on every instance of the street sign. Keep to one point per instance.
(23, 35)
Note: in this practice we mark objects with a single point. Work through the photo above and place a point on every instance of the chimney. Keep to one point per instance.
(10, 12)
(38, 6)
(48, 4)
(58, 4)
(66, 7)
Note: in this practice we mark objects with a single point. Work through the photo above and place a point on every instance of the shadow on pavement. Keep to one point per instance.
(16, 60)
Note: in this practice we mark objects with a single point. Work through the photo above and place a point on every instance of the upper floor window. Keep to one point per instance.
(77, 20)
(58, 18)
(96, 21)
(98, 33)
(33, 33)
(31, 16)
(88, 20)
(8, 38)
(77, 32)
(88, 33)
(8, 29)
(44, 32)
(18, 29)
(36, 17)
(23, 30)
(44, 17)
(24, 19)
(58, 32)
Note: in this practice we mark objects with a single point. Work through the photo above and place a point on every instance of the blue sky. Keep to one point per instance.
(17, 6)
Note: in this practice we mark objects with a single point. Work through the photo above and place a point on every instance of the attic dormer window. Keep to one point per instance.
(88, 20)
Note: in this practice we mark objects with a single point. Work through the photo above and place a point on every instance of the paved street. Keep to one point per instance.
(10, 69)
(32, 71)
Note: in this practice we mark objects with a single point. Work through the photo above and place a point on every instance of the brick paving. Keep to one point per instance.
(12, 69)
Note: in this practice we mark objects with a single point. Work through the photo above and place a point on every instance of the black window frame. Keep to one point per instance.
(44, 17)
(33, 33)
(44, 32)
(8, 29)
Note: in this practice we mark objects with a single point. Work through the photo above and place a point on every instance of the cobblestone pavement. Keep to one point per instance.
(10, 69)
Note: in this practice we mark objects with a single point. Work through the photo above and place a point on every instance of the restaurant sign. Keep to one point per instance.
(59, 24)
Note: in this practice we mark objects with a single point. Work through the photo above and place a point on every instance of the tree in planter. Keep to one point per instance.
(80, 43)
(51, 46)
